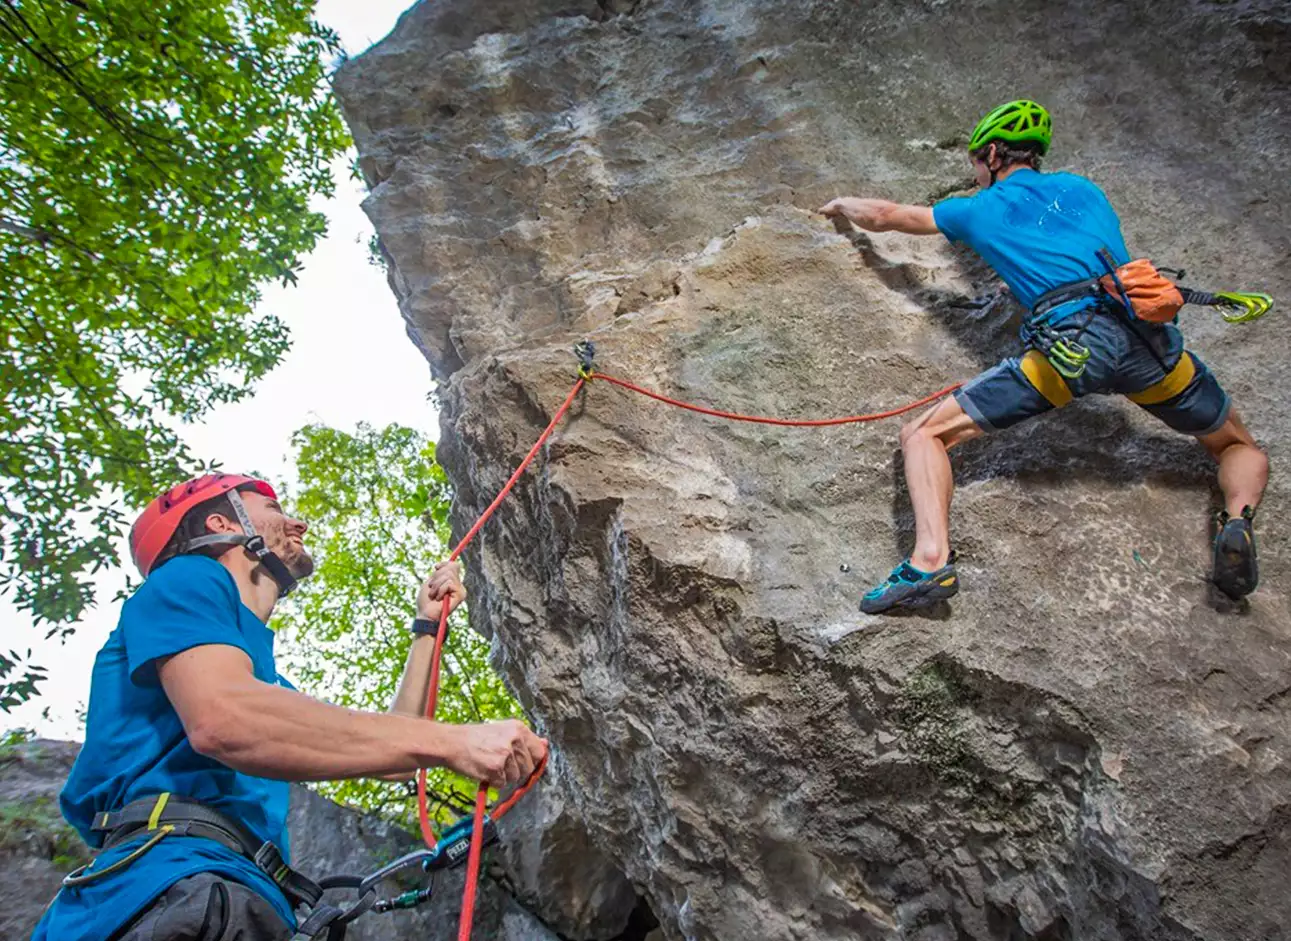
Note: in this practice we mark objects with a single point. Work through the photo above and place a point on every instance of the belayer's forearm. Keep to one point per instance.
(414, 685)
(272, 732)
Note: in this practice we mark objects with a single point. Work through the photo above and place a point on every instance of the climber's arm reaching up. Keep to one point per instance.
(880, 215)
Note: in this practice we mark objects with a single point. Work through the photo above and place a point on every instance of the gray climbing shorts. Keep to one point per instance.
(1187, 397)
(207, 907)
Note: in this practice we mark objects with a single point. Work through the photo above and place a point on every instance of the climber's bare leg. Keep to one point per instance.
(924, 444)
(1243, 465)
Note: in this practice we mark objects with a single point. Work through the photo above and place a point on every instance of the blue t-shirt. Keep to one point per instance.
(1038, 231)
(135, 747)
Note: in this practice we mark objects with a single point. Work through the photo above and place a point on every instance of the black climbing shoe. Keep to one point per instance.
(909, 587)
(1236, 570)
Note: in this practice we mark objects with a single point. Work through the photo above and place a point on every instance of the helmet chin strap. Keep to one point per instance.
(252, 542)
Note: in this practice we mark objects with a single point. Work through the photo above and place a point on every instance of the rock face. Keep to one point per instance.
(1087, 746)
(37, 849)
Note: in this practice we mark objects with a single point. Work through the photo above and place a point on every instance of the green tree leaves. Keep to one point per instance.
(157, 158)
(377, 508)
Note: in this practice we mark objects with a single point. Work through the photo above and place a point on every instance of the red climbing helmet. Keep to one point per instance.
(159, 520)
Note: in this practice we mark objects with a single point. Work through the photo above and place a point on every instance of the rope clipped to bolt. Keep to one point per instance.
(585, 350)
(441, 635)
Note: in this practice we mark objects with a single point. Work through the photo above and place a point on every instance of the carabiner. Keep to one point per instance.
(1247, 306)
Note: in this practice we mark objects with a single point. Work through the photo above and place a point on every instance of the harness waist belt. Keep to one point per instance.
(165, 815)
(1062, 294)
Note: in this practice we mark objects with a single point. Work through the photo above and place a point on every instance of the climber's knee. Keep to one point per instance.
(946, 422)
(909, 430)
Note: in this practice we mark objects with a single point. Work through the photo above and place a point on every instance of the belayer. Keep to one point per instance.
(192, 734)
(1098, 323)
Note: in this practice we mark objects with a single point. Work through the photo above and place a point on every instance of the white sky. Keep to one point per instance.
(350, 361)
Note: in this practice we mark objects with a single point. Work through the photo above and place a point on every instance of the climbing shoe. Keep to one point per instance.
(1236, 571)
(909, 587)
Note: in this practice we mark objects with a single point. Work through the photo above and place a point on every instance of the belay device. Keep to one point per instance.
(450, 851)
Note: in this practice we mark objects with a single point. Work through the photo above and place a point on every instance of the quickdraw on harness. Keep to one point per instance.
(1150, 297)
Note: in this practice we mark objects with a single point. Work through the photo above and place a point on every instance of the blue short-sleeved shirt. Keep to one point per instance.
(1037, 230)
(135, 747)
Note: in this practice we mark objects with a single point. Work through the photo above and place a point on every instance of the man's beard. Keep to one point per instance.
(293, 555)
(301, 565)
(299, 562)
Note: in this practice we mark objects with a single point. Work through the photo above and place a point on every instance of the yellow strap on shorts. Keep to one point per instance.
(1041, 374)
(1175, 382)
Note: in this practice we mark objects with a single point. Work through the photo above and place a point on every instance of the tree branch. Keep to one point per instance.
(50, 59)
(32, 235)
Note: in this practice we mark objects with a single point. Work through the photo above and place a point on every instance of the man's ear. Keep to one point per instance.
(219, 523)
(992, 157)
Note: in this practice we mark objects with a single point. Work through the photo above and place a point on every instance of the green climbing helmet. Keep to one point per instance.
(1016, 121)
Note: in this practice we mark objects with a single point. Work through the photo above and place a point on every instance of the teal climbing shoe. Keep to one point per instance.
(1236, 570)
(909, 587)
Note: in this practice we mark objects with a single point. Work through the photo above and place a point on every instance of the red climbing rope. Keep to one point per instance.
(473, 867)
(481, 798)
(762, 420)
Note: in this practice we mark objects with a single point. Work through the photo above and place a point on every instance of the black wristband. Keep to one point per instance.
(424, 626)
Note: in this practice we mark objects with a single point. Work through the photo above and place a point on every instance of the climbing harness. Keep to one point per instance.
(1137, 292)
(1065, 353)
(166, 816)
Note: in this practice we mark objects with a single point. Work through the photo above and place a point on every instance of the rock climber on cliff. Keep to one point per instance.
(1055, 241)
(192, 734)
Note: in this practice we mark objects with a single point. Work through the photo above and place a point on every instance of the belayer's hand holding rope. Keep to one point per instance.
(502, 753)
(444, 582)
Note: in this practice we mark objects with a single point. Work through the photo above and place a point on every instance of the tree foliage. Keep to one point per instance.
(377, 508)
(157, 158)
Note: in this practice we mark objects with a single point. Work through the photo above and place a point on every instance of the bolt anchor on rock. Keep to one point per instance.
(585, 350)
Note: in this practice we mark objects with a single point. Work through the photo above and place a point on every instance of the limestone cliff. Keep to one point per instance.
(1087, 745)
